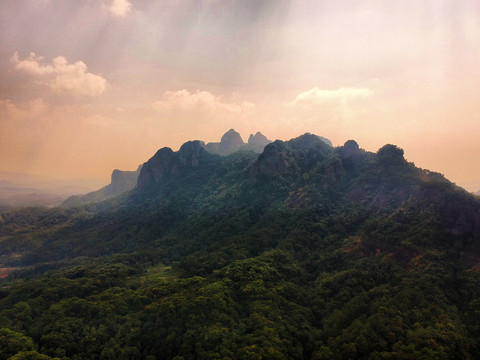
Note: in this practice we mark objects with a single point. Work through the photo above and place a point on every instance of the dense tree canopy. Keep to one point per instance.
(303, 252)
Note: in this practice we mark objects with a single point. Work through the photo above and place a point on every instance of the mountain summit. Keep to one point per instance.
(231, 141)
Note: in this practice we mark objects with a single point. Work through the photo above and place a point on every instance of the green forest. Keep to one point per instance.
(305, 251)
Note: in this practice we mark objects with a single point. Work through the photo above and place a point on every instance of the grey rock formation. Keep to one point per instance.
(167, 163)
(257, 142)
(163, 164)
(258, 139)
(231, 141)
(281, 157)
(121, 181)
(190, 153)
(272, 162)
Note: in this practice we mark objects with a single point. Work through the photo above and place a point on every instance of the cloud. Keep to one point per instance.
(198, 101)
(182, 113)
(119, 8)
(32, 110)
(318, 96)
(61, 76)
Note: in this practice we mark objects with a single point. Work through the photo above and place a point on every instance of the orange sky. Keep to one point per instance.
(92, 85)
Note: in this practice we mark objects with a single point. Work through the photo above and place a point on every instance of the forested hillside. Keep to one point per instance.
(305, 251)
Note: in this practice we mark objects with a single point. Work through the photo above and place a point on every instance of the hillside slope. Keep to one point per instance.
(305, 251)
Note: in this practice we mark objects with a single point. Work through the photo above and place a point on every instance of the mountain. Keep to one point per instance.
(22, 190)
(121, 181)
(15, 196)
(65, 187)
(231, 141)
(257, 142)
(305, 251)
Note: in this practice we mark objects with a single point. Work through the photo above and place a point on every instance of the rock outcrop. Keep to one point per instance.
(257, 142)
(279, 157)
(273, 161)
(231, 141)
(167, 163)
(121, 181)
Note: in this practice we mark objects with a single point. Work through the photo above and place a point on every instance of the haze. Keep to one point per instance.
(92, 85)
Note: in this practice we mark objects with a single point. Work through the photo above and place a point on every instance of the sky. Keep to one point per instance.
(87, 86)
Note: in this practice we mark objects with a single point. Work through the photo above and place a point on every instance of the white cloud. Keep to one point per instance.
(61, 76)
(198, 101)
(32, 110)
(182, 113)
(318, 96)
(119, 7)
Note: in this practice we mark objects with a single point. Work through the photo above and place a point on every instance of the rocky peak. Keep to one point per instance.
(163, 164)
(256, 143)
(390, 155)
(351, 148)
(272, 162)
(190, 153)
(230, 142)
(308, 140)
(258, 139)
(351, 154)
(167, 163)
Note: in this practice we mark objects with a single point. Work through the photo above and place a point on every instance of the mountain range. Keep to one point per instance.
(123, 181)
(300, 251)
(23, 190)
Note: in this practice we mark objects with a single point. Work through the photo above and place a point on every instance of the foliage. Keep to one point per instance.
(345, 255)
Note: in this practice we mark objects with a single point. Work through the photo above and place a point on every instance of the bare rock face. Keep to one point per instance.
(272, 162)
(122, 181)
(166, 163)
(163, 164)
(258, 139)
(257, 142)
(231, 141)
(190, 154)
(280, 157)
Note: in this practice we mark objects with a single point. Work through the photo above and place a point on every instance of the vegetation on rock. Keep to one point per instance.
(302, 252)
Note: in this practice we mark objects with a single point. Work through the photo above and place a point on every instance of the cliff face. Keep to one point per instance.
(163, 164)
(281, 157)
(121, 181)
(166, 163)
